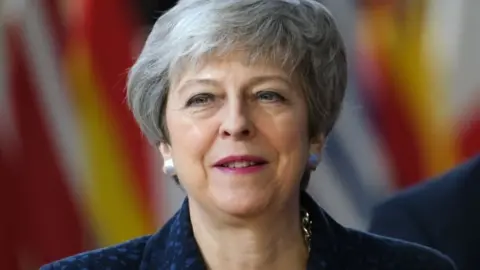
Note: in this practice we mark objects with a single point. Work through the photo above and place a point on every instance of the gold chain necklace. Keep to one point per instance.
(306, 228)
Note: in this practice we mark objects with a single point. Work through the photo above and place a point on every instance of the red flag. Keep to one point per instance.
(46, 220)
(111, 28)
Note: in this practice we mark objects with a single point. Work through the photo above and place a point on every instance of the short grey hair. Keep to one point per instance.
(299, 35)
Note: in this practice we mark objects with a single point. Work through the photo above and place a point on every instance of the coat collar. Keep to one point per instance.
(174, 246)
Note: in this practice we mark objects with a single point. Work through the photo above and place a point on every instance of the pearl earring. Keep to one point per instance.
(169, 167)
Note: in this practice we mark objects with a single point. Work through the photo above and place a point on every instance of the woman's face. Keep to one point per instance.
(238, 136)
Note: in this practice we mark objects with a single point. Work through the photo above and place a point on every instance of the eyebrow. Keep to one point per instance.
(251, 83)
(262, 79)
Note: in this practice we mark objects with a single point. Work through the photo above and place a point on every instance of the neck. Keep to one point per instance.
(273, 241)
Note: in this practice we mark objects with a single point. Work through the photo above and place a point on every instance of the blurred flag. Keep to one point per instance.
(117, 187)
(465, 80)
(79, 174)
(403, 112)
(41, 218)
(407, 103)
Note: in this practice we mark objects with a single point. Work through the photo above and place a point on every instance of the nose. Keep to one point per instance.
(237, 123)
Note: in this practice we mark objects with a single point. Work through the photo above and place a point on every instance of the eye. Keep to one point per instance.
(270, 96)
(200, 100)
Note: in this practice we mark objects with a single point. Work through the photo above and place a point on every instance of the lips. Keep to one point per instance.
(235, 162)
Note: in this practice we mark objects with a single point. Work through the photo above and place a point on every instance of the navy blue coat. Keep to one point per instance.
(443, 213)
(333, 247)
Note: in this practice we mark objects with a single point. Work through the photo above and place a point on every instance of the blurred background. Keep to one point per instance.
(76, 173)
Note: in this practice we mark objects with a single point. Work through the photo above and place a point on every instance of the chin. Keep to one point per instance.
(241, 204)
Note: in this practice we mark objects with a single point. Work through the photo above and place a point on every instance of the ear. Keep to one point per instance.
(316, 146)
(165, 150)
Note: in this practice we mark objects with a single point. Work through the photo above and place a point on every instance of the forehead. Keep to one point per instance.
(232, 66)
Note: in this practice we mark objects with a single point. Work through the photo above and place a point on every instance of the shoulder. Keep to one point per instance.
(438, 190)
(126, 255)
(345, 248)
(393, 254)
(172, 245)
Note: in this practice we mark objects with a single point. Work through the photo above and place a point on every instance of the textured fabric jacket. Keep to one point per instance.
(333, 247)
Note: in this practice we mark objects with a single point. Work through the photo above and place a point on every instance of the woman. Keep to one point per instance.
(240, 96)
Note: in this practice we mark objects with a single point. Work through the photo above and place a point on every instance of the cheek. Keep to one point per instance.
(190, 141)
(288, 132)
(288, 135)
